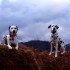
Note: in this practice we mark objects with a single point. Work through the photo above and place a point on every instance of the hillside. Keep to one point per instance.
(40, 45)
(31, 59)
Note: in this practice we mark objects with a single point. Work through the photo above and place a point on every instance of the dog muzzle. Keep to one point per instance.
(53, 31)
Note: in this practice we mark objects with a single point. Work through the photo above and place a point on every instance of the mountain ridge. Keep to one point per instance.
(42, 45)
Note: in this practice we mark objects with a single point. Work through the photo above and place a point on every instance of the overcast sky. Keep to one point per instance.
(33, 17)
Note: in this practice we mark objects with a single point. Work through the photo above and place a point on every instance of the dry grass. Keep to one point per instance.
(31, 59)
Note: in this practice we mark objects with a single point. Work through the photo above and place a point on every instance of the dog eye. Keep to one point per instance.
(11, 28)
(15, 28)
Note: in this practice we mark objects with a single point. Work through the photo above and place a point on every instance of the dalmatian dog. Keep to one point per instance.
(10, 39)
(55, 40)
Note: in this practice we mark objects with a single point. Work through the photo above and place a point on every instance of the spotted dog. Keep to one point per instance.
(56, 41)
(11, 39)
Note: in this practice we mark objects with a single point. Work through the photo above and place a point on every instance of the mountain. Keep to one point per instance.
(27, 58)
(40, 45)
(68, 47)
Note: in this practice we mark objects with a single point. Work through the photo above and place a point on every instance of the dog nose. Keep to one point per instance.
(53, 28)
(13, 31)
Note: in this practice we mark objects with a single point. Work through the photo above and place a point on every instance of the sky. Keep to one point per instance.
(33, 18)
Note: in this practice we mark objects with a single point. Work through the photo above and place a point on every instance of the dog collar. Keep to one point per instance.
(13, 35)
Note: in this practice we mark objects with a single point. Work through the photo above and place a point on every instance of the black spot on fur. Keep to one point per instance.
(17, 27)
(49, 26)
(61, 41)
(9, 28)
(57, 27)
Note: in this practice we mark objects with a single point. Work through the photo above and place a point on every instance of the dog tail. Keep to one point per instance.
(3, 38)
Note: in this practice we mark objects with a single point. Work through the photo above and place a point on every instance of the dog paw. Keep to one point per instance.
(16, 48)
(55, 55)
(10, 47)
(62, 52)
(50, 53)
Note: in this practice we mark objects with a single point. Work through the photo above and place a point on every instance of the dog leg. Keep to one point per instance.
(8, 41)
(16, 48)
(63, 47)
(56, 50)
(9, 46)
(50, 50)
(16, 41)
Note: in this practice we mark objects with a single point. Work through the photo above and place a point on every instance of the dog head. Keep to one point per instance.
(53, 27)
(13, 29)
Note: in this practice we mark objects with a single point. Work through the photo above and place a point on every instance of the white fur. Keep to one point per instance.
(57, 39)
(11, 28)
(12, 41)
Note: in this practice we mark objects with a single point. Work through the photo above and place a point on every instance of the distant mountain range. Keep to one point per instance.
(41, 45)
(68, 47)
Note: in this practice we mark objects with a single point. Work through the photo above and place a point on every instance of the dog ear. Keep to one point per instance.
(49, 26)
(17, 28)
(9, 28)
(57, 27)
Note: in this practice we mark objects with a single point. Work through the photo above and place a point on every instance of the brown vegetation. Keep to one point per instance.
(32, 59)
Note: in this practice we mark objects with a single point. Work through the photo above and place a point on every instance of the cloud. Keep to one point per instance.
(33, 16)
(37, 31)
(0, 2)
(33, 32)
(12, 1)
